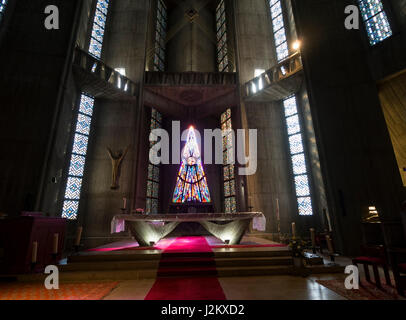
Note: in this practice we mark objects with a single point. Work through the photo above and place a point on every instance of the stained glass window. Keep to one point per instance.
(160, 36)
(375, 20)
(228, 169)
(222, 48)
(78, 158)
(279, 32)
(153, 171)
(191, 184)
(99, 26)
(3, 4)
(83, 122)
(301, 178)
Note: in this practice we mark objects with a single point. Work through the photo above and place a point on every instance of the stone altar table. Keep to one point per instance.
(229, 227)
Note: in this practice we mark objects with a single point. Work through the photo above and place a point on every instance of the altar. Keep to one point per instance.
(149, 229)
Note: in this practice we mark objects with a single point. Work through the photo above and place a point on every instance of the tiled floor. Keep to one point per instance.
(245, 288)
(242, 288)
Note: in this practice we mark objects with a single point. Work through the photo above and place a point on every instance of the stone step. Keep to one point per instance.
(174, 262)
(246, 253)
(140, 255)
(136, 274)
(253, 261)
(109, 265)
(133, 256)
(255, 271)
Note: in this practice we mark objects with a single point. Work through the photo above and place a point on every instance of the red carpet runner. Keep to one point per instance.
(187, 271)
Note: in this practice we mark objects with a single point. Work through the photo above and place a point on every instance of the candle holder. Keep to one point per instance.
(123, 210)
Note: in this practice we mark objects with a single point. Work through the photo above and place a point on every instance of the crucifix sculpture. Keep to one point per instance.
(116, 160)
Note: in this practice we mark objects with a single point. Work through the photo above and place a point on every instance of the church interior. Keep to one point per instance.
(203, 150)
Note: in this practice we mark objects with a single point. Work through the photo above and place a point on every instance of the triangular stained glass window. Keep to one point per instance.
(191, 184)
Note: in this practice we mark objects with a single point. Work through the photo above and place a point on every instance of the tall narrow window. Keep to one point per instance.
(222, 48)
(160, 36)
(297, 152)
(153, 171)
(375, 20)
(230, 205)
(83, 123)
(279, 31)
(78, 158)
(3, 4)
(99, 26)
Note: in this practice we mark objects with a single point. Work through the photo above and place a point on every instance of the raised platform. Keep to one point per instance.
(180, 257)
(150, 229)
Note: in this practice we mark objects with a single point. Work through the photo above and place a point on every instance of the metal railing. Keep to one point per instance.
(190, 78)
(283, 70)
(94, 66)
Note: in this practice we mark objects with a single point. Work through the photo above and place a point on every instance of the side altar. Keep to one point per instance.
(149, 229)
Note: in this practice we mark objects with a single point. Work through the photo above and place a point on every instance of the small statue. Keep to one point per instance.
(116, 160)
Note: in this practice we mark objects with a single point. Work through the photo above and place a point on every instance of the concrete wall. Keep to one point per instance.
(115, 124)
(254, 39)
(355, 150)
(390, 56)
(32, 64)
(192, 49)
(274, 179)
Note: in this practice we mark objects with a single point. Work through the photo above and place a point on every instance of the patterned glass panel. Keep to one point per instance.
(3, 4)
(191, 185)
(296, 144)
(276, 9)
(86, 105)
(228, 170)
(77, 166)
(156, 174)
(153, 170)
(290, 106)
(95, 48)
(84, 120)
(282, 51)
(302, 186)
(83, 124)
(149, 189)
(305, 206)
(148, 208)
(222, 49)
(73, 188)
(155, 190)
(80, 144)
(299, 164)
(375, 19)
(70, 209)
(278, 25)
(378, 28)
(98, 29)
(293, 124)
(150, 172)
(298, 156)
(160, 37)
(154, 206)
